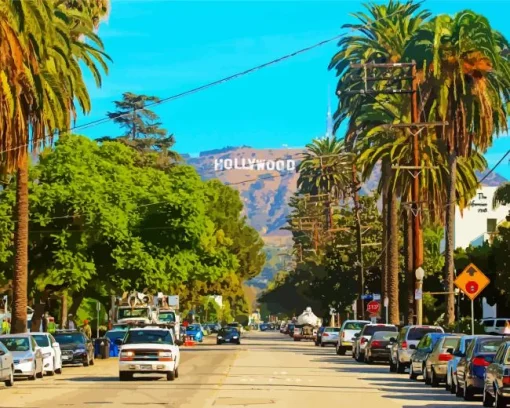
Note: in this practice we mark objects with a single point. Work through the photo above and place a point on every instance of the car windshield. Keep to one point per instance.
(114, 335)
(41, 340)
(489, 345)
(417, 333)
(69, 338)
(370, 330)
(194, 327)
(16, 343)
(167, 317)
(332, 329)
(229, 330)
(137, 312)
(354, 326)
(148, 336)
(383, 335)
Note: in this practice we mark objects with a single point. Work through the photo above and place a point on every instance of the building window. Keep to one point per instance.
(492, 224)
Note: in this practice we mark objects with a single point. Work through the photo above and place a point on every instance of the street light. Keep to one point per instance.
(420, 274)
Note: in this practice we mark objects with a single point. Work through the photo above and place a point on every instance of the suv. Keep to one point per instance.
(404, 345)
(347, 333)
(494, 326)
(76, 347)
(365, 335)
(149, 349)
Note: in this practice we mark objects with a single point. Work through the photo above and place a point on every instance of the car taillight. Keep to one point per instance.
(325, 335)
(480, 361)
(445, 357)
(363, 340)
(343, 335)
(404, 344)
(506, 380)
(376, 343)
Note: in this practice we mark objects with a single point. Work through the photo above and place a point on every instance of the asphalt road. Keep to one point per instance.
(267, 369)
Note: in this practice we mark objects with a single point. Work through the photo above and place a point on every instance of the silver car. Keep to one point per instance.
(436, 365)
(404, 345)
(27, 356)
(6, 366)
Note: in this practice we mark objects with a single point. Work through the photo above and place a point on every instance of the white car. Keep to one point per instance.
(151, 349)
(330, 336)
(347, 335)
(52, 355)
(27, 355)
(6, 366)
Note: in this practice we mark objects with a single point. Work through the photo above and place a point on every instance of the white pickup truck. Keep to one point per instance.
(150, 349)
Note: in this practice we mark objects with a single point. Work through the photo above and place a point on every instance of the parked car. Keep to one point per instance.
(420, 355)
(228, 335)
(496, 390)
(436, 364)
(27, 356)
(401, 351)
(113, 336)
(364, 337)
(458, 353)
(347, 332)
(377, 347)
(52, 355)
(6, 366)
(330, 336)
(265, 327)
(471, 368)
(195, 332)
(76, 347)
(495, 326)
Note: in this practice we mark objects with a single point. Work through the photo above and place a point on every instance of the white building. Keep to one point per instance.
(479, 220)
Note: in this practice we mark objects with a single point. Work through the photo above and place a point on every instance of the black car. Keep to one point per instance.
(76, 348)
(228, 335)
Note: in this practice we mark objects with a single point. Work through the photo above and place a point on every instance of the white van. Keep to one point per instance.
(495, 325)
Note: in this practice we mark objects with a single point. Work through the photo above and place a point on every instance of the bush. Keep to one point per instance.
(464, 326)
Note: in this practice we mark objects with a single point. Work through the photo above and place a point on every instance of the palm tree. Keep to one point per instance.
(384, 33)
(467, 84)
(48, 54)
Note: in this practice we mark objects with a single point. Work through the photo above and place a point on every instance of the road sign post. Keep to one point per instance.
(386, 303)
(472, 281)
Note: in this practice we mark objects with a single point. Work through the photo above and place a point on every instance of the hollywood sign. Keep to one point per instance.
(254, 164)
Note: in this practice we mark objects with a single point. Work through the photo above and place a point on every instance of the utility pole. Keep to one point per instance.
(359, 248)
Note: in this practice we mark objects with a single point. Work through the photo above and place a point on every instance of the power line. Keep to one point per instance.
(207, 85)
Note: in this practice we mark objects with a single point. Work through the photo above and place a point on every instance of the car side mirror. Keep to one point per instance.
(450, 350)
(393, 340)
(356, 335)
(412, 347)
(118, 342)
(56, 345)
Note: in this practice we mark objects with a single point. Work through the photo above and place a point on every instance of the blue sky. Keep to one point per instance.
(165, 47)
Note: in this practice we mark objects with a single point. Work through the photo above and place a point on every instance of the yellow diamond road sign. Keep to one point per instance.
(472, 281)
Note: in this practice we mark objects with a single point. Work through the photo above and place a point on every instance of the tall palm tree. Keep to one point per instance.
(467, 83)
(49, 51)
(382, 35)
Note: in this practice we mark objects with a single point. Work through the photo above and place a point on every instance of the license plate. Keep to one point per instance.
(145, 367)
(66, 357)
(227, 340)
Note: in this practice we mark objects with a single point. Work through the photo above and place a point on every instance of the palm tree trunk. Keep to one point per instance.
(385, 174)
(393, 272)
(20, 279)
(408, 265)
(63, 310)
(449, 267)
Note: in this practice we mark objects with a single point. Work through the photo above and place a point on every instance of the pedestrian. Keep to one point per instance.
(52, 327)
(86, 329)
(6, 326)
(70, 322)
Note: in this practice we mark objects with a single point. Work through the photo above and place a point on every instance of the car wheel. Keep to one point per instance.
(92, 361)
(488, 400)
(426, 377)
(32, 377)
(59, 370)
(458, 390)
(393, 367)
(322, 344)
(40, 373)
(86, 363)
(360, 357)
(170, 375)
(10, 381)
(177, 372)
(401, 368)
(412, 374)
(468, 393)
(218, 342)
(368, 359)
(500, 402)
(125, 376)
(434, 381)
(448, 385)
(340, 351)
